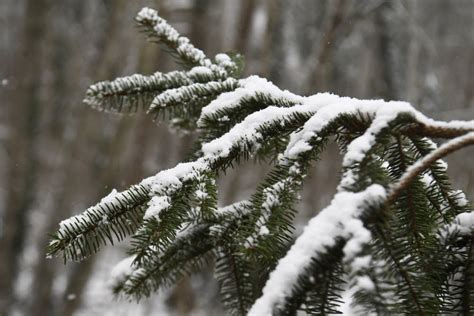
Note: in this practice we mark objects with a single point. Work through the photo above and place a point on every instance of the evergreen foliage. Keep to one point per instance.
(395, 239)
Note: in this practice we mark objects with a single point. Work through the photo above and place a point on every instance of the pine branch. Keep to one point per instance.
(165, 267)
(439, 186)
(116, 216)
(183, 95)
(128, 94)
(235, 273)
(326, 235)
(157, 28)
(406, 276)
(418, 235)
(423, 164)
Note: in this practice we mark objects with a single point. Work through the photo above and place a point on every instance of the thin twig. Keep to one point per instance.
(423, 164)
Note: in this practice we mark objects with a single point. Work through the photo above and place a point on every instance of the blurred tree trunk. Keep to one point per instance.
(44, 270)
(247, 9)
(275, 46)
(44, 301)
(412, 87)
(22, 149)
(199, 24)
(320, 79)
(387, 67)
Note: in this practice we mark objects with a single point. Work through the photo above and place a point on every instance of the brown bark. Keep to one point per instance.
(245, 22)
(22, 149)
(319, 80)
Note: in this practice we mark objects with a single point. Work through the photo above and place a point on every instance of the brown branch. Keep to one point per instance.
(423, 164)
(433, 131)
(439, 129)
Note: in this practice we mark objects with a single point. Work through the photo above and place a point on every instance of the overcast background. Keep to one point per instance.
(57, 156)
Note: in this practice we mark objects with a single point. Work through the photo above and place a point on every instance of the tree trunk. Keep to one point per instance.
(22, 149)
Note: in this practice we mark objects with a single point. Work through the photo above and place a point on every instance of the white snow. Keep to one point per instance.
(156, 205)
(224, 60)
(263, 231)
(466, 222)
(360, 146)
(163, 29)
(334, 106)
(229, 209)
(340, 218)
(247, 130)
(111, 197)
(200, 71)
(427, 179)
(185, 93)
(460, 198)
(200, 194)
(463, 224)
(184, 47)
(360, 262)
(147, 14)
(248, 88)
(172, 179)
(121, 271)
(365, 283)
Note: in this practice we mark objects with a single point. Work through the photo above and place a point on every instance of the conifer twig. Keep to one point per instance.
(423, 164)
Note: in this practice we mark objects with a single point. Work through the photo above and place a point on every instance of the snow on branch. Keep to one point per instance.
(187, 93)
(322, 108)
(249, 87)
(160, 28)
(114, 217)
(128, 92)
(339, 219)
(127, 276)
(173, 215)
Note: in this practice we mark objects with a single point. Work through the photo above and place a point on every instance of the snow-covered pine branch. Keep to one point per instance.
(127, 94)
(394, 210)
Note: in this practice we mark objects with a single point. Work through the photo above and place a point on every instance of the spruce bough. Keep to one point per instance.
(396, 238)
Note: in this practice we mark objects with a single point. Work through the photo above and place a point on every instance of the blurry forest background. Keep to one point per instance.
(57, 156)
